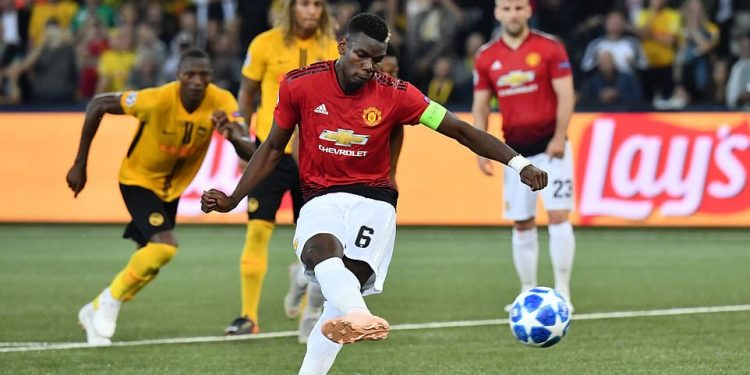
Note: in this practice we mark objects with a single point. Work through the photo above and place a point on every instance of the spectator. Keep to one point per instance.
(609, 86)
(127, 16)
(10, 54)
(181, 43)
(441, 85)
(462, 73)
(738, 86)
(626, 51)
(699, 37)
(145, 72)
(15, 24)
(225, 65)
(61, 11)
(93, 8)
(342, 13)
(93, 42)
(433, 25)
(658, 27)
(149, 43)
(115, 64)
(51, 67)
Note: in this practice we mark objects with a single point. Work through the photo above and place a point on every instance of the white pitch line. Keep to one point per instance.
(11, 347)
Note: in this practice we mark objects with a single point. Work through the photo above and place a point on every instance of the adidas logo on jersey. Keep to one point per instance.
(321, 109)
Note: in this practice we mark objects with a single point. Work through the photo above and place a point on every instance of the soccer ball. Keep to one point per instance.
(539, 317)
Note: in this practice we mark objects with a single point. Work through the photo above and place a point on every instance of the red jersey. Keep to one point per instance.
(344, 140)
(522, 82)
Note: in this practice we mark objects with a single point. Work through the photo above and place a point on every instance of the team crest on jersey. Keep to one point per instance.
(372, 116)
(156, 219)
(533, 59)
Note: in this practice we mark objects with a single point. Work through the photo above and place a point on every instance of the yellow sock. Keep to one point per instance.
(141, 269)
(254, 264)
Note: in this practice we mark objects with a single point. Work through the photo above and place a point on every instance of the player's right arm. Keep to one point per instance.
(265, 159)
(480, 109)
(97, 107)
(260, 166)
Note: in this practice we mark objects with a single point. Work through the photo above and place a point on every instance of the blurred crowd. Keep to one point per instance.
(627, 54)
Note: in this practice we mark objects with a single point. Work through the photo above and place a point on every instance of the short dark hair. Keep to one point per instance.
(370, 24)
(193, 53)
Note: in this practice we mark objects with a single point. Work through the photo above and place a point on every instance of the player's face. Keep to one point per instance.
(360, 56)
(389, 65)
(513, 16)
(194, 76)
(307, 14)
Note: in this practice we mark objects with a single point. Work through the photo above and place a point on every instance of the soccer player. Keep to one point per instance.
(346, 229)
(303, 35)
(530, 74)
(176, 125)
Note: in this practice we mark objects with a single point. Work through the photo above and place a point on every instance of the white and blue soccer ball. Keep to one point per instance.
(540, 317)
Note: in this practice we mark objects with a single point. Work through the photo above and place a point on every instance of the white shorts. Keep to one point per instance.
(365, 227)
(520, 201)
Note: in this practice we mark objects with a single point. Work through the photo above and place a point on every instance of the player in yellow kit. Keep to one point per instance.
(176, 125)
(303, 35)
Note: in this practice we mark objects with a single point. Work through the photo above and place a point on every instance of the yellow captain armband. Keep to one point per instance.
(433, 115)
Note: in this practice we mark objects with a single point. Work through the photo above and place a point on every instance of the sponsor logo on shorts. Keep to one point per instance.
(252, 205)
(156, 219)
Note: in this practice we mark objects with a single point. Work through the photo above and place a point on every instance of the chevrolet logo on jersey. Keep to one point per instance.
(515, 78)
(344, 137)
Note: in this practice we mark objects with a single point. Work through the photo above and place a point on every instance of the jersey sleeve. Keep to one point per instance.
(481, 79)
(286, 114)
(559, 63)
(255, 60)
(137, 103)
(412, 105)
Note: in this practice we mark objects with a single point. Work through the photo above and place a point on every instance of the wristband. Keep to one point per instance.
(518, 163)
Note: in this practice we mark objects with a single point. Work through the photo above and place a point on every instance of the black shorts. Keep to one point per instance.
(265, 199)
(150, 214)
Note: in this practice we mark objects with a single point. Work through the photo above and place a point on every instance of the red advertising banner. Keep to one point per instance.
(631, 169)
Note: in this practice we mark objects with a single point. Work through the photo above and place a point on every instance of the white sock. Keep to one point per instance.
(321, 352)
(106, 297)
(314, 299)
(339, 286)
(525, 256)
(562, 249)
(301, 278)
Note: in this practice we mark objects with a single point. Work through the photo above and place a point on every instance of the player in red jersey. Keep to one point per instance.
(346, 111)
(529, 73)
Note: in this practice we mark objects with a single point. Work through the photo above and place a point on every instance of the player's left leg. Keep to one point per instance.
(151, 229)
(558, 201)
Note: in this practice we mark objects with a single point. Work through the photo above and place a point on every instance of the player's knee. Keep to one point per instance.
(250, 267)
(558, 216)
(320, 247)
(166, 237)
(525, 224)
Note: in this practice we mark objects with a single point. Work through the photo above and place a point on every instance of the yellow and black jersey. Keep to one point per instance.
(170, 143)
(269, 58)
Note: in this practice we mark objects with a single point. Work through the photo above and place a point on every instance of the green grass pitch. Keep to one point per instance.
(47, 272)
